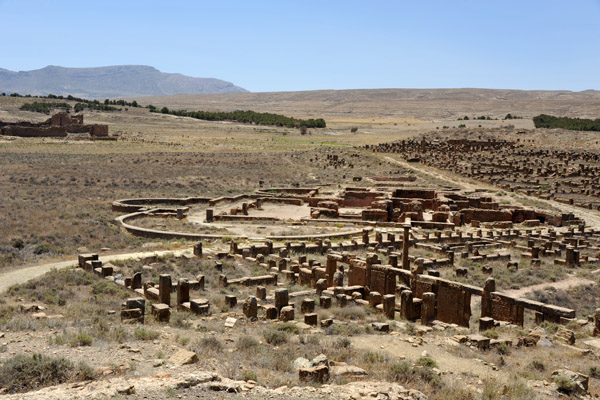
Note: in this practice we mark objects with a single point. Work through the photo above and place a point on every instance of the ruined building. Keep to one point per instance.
(59, 125)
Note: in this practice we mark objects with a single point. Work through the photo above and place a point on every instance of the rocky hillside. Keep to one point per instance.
(109, 82)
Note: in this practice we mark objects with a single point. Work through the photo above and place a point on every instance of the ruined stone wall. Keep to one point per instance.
(31, 131)
(414, 194)
(361, 198)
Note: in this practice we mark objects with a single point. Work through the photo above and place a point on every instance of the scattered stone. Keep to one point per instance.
(183, 357)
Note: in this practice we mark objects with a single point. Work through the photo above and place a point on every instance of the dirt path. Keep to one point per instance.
(561, 285)
(8, 279)
(592, 218)
(436, 347)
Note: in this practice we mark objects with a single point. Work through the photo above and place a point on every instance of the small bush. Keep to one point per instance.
(105, 287)
(564, 384)
(426, 362)
(275, 337)
(502, 349)
(403, 372)
(250, 376)
(180, 320)
(537, 365)
(23, 373)
(145, 334)
(342, 343)
(491, 333)
(246, 343)
(212, 343)
(287, 327)
(81, 339)
(594, 372)
(354, 129)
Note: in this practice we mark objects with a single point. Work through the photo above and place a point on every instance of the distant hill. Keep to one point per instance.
(109, 82)
(426, 104)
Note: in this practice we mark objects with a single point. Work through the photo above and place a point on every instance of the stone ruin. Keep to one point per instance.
(59, 125)
(565, 176)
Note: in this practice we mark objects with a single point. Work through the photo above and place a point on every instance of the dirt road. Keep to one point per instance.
(8, 279)
(561, 285)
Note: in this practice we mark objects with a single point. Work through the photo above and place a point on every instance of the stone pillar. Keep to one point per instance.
(261, 292)
(250, 307)
(570, 255)
(486, 297)
(209, 215)
(136, 282)
(164, 289)
(597, 322)
(198, 249)
(183, 291)
(365, 236)
(375, 299)
(180, 214)
(393, 260)
(406, 304)
(201, 280)
(535, 252)
(245, 208)
(428, 308)
(405, 245)
(281, 298)
(450, 255)
(389, 306)
(330, 270)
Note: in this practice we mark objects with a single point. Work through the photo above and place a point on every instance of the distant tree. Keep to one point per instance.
(164, 110)
(466, 118)
(354, 129)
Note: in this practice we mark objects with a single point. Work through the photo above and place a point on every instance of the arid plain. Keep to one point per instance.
(57, 197)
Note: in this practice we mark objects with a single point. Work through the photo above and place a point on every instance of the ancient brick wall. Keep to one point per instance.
(453, 303)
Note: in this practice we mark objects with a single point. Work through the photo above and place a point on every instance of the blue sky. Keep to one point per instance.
(305, 45)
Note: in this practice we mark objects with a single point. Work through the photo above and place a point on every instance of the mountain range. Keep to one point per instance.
(109, 82)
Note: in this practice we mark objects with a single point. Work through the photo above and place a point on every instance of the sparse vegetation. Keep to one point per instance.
(22, 373)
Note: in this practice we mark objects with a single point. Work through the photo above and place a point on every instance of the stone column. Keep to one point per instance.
(597, 322)
(198, 249)
(136, 282)
(389, 305)
(330, 270)
(428, 308)
(164, 289)
(183, 291)
(365, 236)
(486, 297)
(406, 304)
(209, 215)
(405, 245)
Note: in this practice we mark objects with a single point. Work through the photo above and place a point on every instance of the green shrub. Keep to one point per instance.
(250, 376)
(105, 287)
(404, 373)
(503, 349)
(212, 343)
(537, 365)
(426, 362)
(81, 339)
(145, 334)
(594, 372)
(342, 343)
(23, 373)
(275, 337)
(287, 327)
(491, 333)
(564, 384)
(246, 343)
